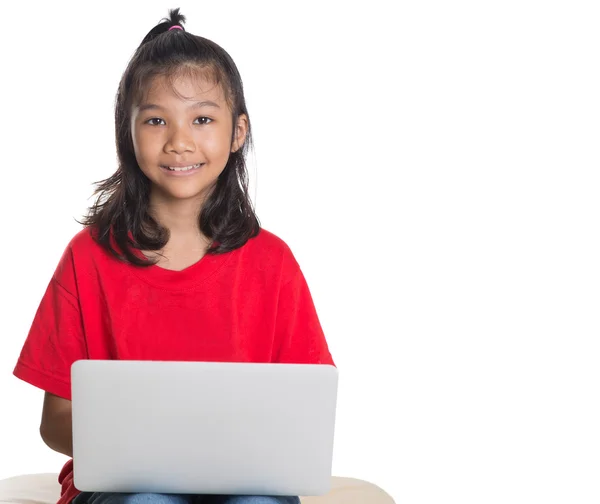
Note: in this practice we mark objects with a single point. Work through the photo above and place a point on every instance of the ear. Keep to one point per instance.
(241, 130)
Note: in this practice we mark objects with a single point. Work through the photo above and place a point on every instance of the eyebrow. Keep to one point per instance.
(200, 104)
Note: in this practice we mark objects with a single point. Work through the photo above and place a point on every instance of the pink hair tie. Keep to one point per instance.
(175, 27)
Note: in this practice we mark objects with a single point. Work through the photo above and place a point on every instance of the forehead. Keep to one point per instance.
(190, 85)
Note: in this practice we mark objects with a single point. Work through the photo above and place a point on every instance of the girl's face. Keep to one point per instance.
(170, 133)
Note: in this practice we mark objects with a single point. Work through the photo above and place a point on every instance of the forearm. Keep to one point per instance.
(58, 433)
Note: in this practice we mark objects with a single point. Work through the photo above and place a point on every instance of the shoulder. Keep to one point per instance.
(270, 251)
(65, 273)
(267, 243)
(82, 247)
(81, 251)
(83, 241)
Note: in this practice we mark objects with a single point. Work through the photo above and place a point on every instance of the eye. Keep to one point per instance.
(149, 121)
(152, 120)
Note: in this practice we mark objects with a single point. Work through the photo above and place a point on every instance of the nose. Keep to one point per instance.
(180, 140)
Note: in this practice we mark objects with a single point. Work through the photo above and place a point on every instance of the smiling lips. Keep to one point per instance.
(183, 168)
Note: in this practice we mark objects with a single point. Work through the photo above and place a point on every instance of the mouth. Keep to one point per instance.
(182, 168)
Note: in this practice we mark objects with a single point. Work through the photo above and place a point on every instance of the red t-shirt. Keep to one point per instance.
(249, 305)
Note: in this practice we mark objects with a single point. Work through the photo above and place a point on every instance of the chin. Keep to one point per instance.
(184, 196)
(186, 193)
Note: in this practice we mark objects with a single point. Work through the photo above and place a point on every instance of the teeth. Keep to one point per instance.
(184, 168)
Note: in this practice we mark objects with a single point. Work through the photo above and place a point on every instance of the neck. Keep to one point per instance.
(180, 217)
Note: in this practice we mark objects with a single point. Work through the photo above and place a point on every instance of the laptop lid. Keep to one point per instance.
(203, 427)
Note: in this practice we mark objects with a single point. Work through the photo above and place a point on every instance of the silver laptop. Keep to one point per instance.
(203, 427)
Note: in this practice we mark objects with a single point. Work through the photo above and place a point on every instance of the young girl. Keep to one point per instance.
(172, 263)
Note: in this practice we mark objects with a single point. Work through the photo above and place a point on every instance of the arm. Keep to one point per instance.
(56, 426)
(298, 333)
(56, 339)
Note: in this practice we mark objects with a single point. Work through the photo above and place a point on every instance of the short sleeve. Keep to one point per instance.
(56, 338)
(299, 337)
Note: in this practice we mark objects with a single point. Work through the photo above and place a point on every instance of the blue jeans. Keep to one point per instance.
(153, 498)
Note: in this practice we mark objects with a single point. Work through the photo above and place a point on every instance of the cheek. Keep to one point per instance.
(217, 143)
(135, 141)
(143, 146)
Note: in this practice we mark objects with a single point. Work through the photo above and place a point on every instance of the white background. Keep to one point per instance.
(434, 168)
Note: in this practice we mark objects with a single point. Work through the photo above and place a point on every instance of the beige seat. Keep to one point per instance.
(44, 489)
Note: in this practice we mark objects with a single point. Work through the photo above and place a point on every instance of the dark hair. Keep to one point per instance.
(120, 211)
